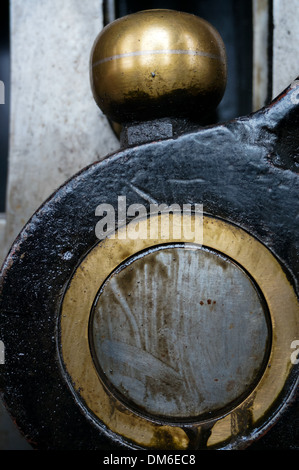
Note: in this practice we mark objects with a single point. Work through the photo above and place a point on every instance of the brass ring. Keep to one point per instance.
(136, 430)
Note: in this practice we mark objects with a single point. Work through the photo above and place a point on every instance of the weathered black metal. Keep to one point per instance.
(244, 171)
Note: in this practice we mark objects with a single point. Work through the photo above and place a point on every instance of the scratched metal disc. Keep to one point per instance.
(180, 333)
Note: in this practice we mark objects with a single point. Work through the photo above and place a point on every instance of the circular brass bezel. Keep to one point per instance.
(142, 432)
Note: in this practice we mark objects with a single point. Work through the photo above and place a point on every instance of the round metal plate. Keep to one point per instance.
(164, 344)
(246, 399)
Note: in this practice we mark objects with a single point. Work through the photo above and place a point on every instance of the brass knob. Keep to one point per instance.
(158, 63)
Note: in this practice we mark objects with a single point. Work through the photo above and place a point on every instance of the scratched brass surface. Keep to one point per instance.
(158, 63)
(142, 431)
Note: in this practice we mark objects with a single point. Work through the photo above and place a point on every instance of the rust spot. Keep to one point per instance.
(167, 440)
(201, 302)
(199, 436)
(209, 301)
(230, 385)
(241, 419)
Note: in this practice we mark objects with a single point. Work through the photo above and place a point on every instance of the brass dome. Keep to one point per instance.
(158, 63)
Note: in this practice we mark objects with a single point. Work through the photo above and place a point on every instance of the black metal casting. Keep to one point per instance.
(244, 171)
